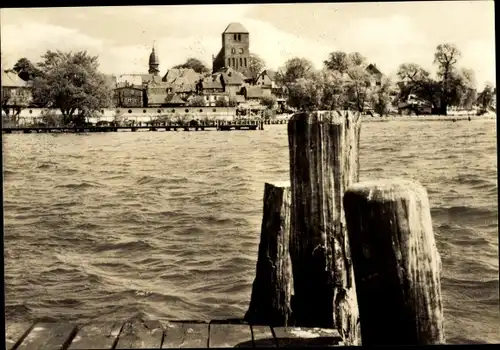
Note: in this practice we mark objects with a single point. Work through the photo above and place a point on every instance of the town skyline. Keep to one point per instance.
(388, 34)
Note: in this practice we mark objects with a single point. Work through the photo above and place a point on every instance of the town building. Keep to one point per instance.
(375, 74)
(126, 95)
(235, 51)
(16, 93)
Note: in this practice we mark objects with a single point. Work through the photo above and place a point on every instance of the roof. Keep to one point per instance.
(231, 76)
(254, 92)
(270, 73)
(373, 69)
(174, 99)
(235, 27)
(157, 98)
(123, 85)
(211, 84)
(12, 80)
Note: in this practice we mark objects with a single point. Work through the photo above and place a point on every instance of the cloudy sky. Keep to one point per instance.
(388, 34)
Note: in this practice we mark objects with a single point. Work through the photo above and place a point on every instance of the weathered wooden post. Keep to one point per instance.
(272, 287)
(396, 263)
(324, 158)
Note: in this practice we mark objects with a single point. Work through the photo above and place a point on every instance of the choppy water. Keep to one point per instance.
(166, 224)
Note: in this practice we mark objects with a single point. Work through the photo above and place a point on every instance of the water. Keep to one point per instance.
(166, 224)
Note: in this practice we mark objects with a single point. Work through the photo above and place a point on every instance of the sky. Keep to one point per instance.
(387, 33)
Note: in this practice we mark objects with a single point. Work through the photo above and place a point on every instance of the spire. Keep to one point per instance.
(154, 62)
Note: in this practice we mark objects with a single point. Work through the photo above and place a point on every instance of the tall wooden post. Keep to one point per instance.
(396, 263)
(272, 287)
(324, 160)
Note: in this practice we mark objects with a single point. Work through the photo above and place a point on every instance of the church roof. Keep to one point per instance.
(153, 58)
(235, 27)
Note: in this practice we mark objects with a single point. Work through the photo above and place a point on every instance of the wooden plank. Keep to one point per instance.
(306, 337)
(140, 334)
(15, 332)
(49, 336)
(185, 335)
(97, 336)
(263, 337)
(230, 336)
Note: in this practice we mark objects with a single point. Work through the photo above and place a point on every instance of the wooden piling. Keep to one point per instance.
(324, 160)
(272, 287)
(396, 263)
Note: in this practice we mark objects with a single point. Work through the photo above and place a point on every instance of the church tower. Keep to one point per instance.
(235, 52)
(154, 62)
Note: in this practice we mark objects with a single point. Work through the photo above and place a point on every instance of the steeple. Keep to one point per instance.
(154, 62)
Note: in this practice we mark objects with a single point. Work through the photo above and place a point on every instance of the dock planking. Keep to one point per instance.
(153, 334)
(230, 336)
(96, 336)
(185, 335)
(139, 334)
(48, 336)
(310, 337)
(263, 337)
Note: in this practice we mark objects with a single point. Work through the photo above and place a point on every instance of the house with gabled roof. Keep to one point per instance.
(375, 73)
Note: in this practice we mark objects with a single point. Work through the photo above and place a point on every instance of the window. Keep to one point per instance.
(233, 50)
(235, 37)
(186, 110)
(159, 111)
(228, 62)
(214, 110)
(173, 110)
(234, 64)
(143, 111)
(130, 111)
(241, 61)
(201, 110)
(239, 37)
(117, 111)
(102, 111)
(245, 59)
(31, 111)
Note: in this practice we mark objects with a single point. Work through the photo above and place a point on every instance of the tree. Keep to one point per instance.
(382, 97)
(221, 102)
(358, 87)
(446, 56)
(356, 59)
(337, 62)
(485, 98)
(293, 70)
(71, 82)
(26, 70)
(269, 102)
(255, 65)
(197, 101)
(416, 80)
(195, 64)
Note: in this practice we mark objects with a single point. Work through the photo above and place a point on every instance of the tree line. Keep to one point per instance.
(344, 83)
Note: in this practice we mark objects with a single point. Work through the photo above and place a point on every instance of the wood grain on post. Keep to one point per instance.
(272, 287)
(324, 160)
(396, 263)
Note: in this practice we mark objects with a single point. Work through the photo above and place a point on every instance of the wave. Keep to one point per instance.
(130, 246)
(81, 185)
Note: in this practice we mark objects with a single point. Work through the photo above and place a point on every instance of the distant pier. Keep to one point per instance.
(219, 125)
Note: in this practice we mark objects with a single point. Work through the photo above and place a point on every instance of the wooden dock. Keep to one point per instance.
(153, 334)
